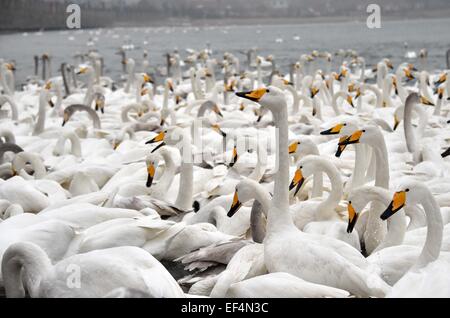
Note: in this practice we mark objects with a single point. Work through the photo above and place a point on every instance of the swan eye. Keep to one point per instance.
(267, 91)
(407, 190)
(345, 124)
(364, 131)
(301, 167)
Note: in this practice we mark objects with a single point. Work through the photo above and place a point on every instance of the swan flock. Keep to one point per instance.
(216, 177)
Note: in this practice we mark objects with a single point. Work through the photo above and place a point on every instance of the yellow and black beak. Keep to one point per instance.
(352, 217)
(394, 83)
(396, 122)
(170, 86)
(293, 147)
(216, 109)
(397, 203)
(341, 147)
(234, 157)
(10, 67)
(48, 85)
(217, 129)
(409, 75)
(235, 206)
(65, 119)
(446, 153)
(297, 181)
(425, 101)
(150, 174)
(350, 100)
(148, 79)
(158, 138)
(254, 95)
(314, 91)
(287, 83)
(333, 131)
(353, 139)
(440, 92)
(358, 93)
(412, 67)
(82, 70)
(441, 79)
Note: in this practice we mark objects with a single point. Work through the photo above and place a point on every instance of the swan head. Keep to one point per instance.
(270, 97)
(345, 127)
(408, 193)
(151, 161)
(369, 135)
(244, 192)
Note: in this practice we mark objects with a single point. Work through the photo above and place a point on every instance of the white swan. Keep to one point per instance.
(27, 268)
(287, 249)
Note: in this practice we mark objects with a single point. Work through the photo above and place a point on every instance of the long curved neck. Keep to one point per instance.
(13, 105)
(433, 242)
(396, 223)
(334, 102)
(185, 192)
(24, 264)
(169, 172)
(279, 217)
(90, 89)
(382, 163)
(296, 99)
(327, 206)
(74, 144)
(40, 124)
(261, 164)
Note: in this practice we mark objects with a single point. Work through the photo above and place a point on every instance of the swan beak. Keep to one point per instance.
(116, 145)
(288, 83)
(150, 174)
(353, 139)
(341, 147)
(297, 181)
(333, 131)
(217, 129)
(390, 65)
(412, 67)
(158, 138)
(48, 85)
(397, 203)
(425, 101)
(14, 172)
(148, 79)
(10, 66)
(314, 91)
(352, 217)
(293, 147)
(396, 122)
(440, 92)
(446, 153)
(65, 119)
(441, 79)
(159, 146)
(170, 85)
(234, 157)
(358, 93)
(82, 70)
(394, 83)
(216, 109)
(254, 96)
(235, 206)
(409, 75)
(350, 100)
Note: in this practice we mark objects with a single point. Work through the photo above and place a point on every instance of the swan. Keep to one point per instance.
(428, 270)
(289, 250)
(372, 136)
(321, 217)
(27, 268)
(282, 285)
